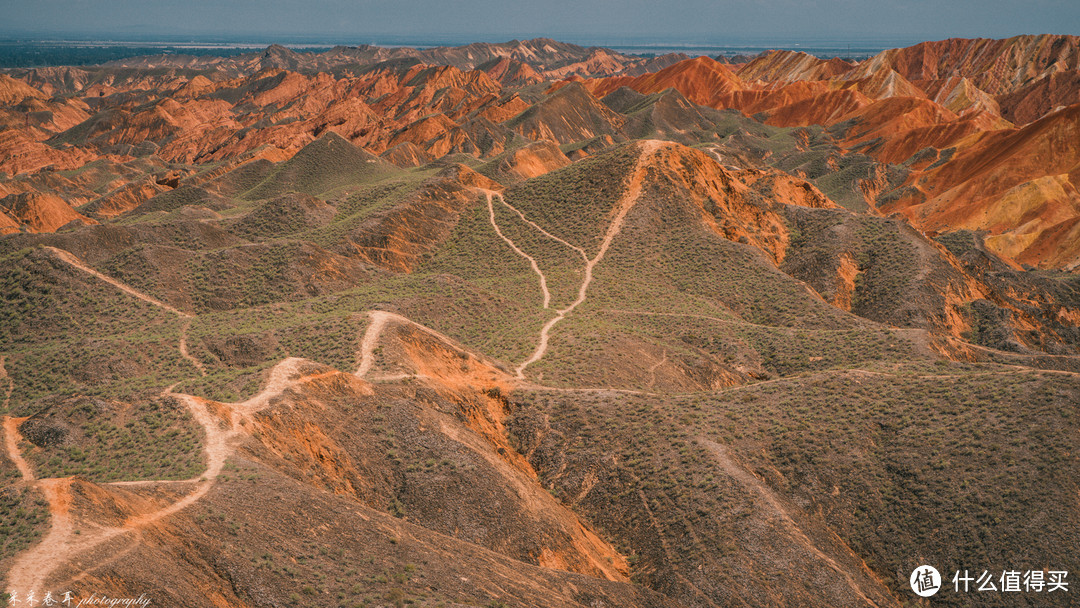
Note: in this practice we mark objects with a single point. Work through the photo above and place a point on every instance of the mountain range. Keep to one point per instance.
(535, 324)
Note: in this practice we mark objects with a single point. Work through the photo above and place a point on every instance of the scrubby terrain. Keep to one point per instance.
(538, 325)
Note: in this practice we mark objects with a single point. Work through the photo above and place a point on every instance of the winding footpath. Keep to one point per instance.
(64, 542)
(622, 208)
(517, 250)
(775, 507)
(75, 262)
(10, 384)
(11, 444)
(182, 347)
(70, 259)
(378, 320)
(579, 250)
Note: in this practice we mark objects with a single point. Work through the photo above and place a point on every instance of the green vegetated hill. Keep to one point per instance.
(748, 392)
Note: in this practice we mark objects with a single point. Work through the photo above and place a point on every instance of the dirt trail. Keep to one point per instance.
(715, 151)
(279, 381)
(61, 545)
(855, 371)
(622, 208)
(184, 350)
(379, 320)
(581, 252)
(72, 260)
(375, 326)
(11, 443)
(656, 366)
(217, 448)
(10, 384)
(907, 334)
(744, 477)
(1012, 355)
(532, 261)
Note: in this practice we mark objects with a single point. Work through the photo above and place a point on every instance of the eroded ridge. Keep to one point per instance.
(622, 208)
(70, 259)
(369, 342)
(776, 509)
(517, 250)
(64, 542)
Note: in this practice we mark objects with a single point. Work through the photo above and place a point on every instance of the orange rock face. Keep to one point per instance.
(1040, 97)
(8, 225)
(1018, 184)
(958, 96)
(38, 212)
(791, 66)
(702, 80)
(124, 199)
(980, 126)
(726, 200)
(995, 66)
(13, 91)
(534, 159)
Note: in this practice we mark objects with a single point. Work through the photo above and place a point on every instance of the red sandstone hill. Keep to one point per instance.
(939, 96)
(915, 107)
(13, 91)
(995, 66)
(1017, 184)
(37, 212)
(1043, 95)
(790, 66)
(702, 80)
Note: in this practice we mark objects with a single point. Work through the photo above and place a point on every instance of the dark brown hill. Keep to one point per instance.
(567, 115)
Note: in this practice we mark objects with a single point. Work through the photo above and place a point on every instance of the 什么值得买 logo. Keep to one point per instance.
(925, 581)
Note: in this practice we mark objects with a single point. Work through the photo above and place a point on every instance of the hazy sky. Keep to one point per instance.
(600, 20)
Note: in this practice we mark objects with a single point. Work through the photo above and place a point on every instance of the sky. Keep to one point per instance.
(599, 21)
